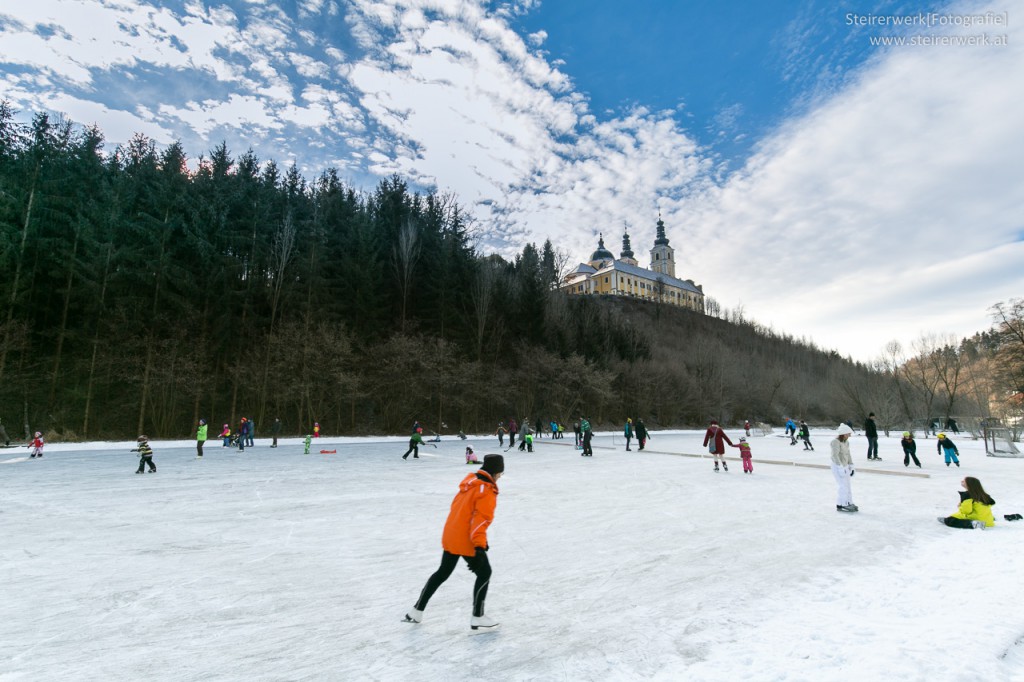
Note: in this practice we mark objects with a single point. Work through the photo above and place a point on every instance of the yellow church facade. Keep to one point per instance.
(604, 274)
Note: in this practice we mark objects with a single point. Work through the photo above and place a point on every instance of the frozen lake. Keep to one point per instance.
(274, 565)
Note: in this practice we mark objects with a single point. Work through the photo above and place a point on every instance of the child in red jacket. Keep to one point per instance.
(37, 445)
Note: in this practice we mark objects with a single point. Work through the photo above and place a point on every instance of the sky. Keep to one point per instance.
(833, 188)
(273, 565)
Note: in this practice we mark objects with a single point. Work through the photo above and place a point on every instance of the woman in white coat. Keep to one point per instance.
(842, 468)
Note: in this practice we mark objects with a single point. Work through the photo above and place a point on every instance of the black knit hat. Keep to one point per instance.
(493, 464)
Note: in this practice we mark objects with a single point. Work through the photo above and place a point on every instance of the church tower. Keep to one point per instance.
(626, 255)
(663, 256)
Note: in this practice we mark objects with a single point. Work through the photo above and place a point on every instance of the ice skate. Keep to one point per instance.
(716, 466)
(725, 466)
(414, 616)
(942, 520)
(483, 623)
(978, 525)
(847, 508)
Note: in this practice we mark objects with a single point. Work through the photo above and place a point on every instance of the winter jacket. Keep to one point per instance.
(841, 453)
(471, 513)
(628, 430)
(870, 430)
(973, 510)
(201, 432)
(144, 450)
(416, 439)
(513, 427)
(946, 443)
(641, 431)
(275, 428)
(745, 452)
(805, 432)
(909, 446)
(720, 438)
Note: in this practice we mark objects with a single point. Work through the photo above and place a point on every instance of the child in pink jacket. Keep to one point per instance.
(745, 454)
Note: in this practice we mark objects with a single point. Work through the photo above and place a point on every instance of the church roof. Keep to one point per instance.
(637, 271)
(602, 253)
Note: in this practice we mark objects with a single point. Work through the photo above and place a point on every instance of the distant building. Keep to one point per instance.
(623, 276)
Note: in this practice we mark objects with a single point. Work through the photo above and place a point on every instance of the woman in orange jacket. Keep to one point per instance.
(465, 535)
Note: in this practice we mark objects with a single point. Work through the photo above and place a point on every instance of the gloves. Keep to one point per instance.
(852, 472)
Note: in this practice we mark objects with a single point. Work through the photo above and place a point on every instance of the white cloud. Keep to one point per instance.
(902, 194)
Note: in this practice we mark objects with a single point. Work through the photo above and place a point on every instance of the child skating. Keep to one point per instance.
(470, 457)
(909, 449)
(145, 456)
(309, 439)
(225, 435)
(37, 445)
(947, 448)
(745, 455)
(975, 509)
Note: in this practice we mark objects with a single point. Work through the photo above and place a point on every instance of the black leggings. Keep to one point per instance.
(478, 564)
(954, 522)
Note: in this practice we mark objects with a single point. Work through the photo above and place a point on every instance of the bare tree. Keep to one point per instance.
(407, 253)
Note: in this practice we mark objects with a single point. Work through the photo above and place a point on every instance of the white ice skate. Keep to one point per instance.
(413, 616)
(483, 624)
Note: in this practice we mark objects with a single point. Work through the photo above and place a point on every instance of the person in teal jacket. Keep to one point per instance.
(627, 431)
(975, 507)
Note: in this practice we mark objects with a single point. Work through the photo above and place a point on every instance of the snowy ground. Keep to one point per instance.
(273, 565)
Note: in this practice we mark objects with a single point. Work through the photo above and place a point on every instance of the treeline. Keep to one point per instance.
(142, 292)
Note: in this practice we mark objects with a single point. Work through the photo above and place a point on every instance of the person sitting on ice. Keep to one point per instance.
(37, 445)
(470, 457)
(975, 507)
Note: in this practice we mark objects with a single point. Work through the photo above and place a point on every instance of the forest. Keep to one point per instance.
(144, 290)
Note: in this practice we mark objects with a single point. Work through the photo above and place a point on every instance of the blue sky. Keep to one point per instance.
(836, 191)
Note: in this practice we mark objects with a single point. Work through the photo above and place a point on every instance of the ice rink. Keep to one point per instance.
(274, 565)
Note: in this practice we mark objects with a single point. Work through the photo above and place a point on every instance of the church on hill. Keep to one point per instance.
(605, 274)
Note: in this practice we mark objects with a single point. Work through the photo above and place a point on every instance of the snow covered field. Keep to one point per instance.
(274, 565)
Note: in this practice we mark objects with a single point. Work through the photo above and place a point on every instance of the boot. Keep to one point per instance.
(482, 623)
(413, 616)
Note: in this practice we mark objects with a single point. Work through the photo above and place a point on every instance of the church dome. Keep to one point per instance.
(601, 253)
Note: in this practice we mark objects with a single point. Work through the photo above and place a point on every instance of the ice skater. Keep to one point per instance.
(714, 440)
(36, 444)
(871, 432)
(470, 456)
(909, 449)
(805, 435)
(745, 455)
(641, 433)
(975, 507)
(500, 433)
(307, 442)
(627, 431)
(588, 435)
(145, 456)
(414, 446)
(200, 437)
(225, 434)
(947, 447)
(842, 469)
(465, 535)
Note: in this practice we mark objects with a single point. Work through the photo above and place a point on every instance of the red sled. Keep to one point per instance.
(328, 452)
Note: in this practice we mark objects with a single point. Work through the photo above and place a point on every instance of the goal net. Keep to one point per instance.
(999, 443)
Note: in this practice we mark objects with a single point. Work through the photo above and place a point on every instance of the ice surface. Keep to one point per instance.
(274, 565)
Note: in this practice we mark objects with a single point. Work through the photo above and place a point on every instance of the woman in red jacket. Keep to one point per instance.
(465, 535)
(717, 437)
